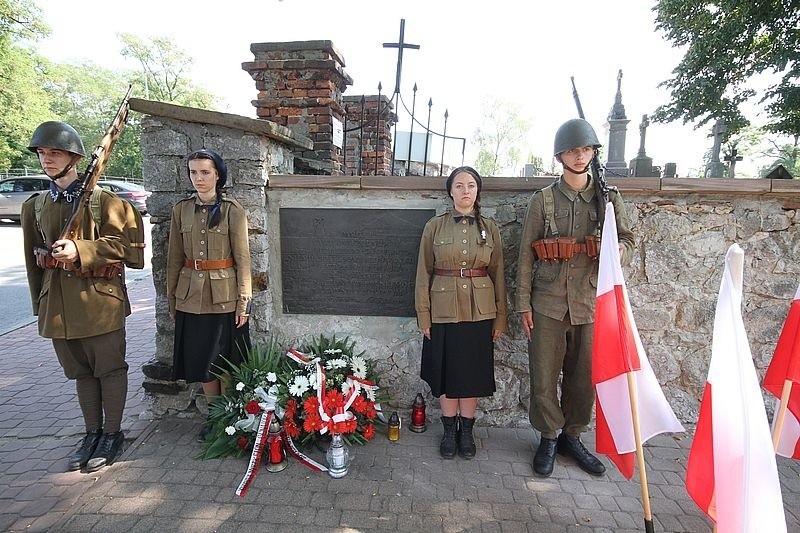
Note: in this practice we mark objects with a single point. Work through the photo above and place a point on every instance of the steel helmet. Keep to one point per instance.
(219, 164)
(574, 134)
(58, 135)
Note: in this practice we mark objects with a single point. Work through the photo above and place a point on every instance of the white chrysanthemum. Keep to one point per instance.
(271, 377)
(230, 430)
(332, 351)
(240, 386)
(359, 367)
(299, 386)
(370, 394)
(335, 363)
(345, 387)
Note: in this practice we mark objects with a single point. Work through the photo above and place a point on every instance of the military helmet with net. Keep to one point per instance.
(574, 133)
(58, 135)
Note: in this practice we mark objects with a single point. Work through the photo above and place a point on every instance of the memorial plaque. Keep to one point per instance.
(358, 262)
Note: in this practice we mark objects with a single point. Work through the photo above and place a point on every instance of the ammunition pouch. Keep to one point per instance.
(564, 248)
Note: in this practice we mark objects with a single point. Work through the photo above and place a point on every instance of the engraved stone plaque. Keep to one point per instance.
(357, 262)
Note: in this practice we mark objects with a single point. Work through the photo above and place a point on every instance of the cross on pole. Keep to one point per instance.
(400, 45)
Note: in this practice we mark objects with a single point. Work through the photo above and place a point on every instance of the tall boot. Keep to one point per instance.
(447, 448)
(466, 442)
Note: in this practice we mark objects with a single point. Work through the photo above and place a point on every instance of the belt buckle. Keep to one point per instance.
(196, 262)
(462, 272)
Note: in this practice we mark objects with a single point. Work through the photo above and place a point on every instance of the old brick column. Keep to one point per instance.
(300, 86)
(369, 134)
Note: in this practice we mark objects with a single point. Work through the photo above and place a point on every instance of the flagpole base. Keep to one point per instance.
(648, 526)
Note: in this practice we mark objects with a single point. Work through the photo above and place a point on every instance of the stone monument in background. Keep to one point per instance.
(617, 127)
(641, 165)
(716, 168)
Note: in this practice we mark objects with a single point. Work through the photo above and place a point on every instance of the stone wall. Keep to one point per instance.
(683, 229)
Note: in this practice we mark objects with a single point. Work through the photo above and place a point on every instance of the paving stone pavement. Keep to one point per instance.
(158, 485)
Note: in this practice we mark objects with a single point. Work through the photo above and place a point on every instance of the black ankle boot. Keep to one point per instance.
(107, 450)
(447, 448)
(84, 451)
(466, 442)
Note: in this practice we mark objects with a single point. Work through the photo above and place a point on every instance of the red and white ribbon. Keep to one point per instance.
(255, 457)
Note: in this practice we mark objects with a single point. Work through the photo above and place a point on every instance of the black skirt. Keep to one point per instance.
(203, 343)
(458, 360)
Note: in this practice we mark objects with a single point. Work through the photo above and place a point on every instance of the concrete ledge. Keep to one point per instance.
(228, 120)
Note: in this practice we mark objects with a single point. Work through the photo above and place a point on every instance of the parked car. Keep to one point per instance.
(133, 192)
(14, 191)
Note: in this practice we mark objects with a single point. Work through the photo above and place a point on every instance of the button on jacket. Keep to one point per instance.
(447, 244)
(70, 307)
(553, 288)
(224, 290)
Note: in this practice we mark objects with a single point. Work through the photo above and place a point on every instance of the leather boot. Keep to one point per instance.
(545, 457)
(466, 442)
(84, 451)
(107, 450)
(447, 448)
(573, 447)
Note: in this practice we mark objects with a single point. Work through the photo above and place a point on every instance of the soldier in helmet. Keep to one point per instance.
(78, 292)
(556, 291)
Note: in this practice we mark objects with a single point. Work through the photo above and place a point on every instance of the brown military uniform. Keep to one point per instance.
(562, 296)
(223, 290)
(83, 315)
(449, 299)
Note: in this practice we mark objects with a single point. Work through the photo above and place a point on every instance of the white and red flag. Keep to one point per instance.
(731, 473)
(616, 352)
(784, 371)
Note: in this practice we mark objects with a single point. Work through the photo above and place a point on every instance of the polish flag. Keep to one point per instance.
(785, 366)
(616, 351)
(731, 473)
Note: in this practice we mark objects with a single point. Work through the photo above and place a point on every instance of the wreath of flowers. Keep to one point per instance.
(323, 388)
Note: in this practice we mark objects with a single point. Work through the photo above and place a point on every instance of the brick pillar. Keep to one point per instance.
(300, 86)
(374, 140)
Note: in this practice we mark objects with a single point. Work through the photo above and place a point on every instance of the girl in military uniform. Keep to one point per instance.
(208, 278)
(461, 308)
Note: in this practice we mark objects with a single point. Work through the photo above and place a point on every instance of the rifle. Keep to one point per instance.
(97, 164)
(600, 183)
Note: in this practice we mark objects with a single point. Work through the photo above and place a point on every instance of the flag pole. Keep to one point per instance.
(781, 416)
(648, 516)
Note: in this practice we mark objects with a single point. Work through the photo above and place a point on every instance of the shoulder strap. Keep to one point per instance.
(549, 211)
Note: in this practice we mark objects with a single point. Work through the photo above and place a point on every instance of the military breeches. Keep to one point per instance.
(559, 349)
(97, 356)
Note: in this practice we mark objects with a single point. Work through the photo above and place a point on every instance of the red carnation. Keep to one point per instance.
(252, 407)
(243, 443)
(368, 431)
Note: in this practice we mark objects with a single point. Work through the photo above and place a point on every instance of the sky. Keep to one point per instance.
(522, 52)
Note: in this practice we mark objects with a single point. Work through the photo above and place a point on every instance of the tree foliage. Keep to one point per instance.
(500, 138)
(164, 68)
(728, 43)
(23, 104)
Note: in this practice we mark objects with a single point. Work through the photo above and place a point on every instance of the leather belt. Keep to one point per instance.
(211, 264)
(461, 272)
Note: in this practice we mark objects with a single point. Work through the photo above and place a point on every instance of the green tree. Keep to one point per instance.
(23, 103)
(164, 68)
(728, 43)
(500, 138)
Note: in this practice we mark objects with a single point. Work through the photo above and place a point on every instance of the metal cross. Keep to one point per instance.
(400, 45)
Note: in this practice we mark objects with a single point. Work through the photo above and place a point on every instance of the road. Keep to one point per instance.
(15, 301)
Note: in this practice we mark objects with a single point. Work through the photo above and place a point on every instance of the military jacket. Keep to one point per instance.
(70, 307)
(224, 290)
(553, 288)
(447, 244)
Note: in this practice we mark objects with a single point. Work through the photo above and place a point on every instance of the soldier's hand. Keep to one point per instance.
(426, 332)
(496, 334)
(527, 323)
(241, 320)
(64, 250)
